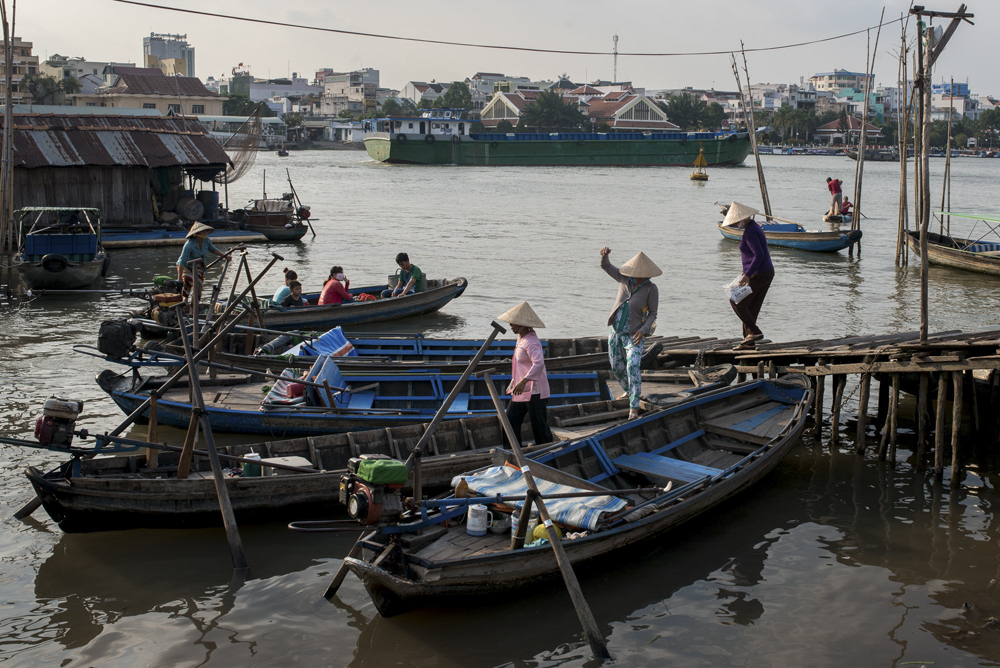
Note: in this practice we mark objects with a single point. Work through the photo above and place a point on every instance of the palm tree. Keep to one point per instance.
(549, 113)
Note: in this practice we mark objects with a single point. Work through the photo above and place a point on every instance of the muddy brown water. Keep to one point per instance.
(833, 560)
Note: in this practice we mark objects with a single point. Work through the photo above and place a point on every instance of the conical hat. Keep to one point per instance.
(640, 266)
(738, 212)
(522, 315)
(198, 228)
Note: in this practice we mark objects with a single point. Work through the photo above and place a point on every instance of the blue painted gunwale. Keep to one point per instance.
(818, 242)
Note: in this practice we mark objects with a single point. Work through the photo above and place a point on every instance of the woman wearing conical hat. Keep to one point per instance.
(631, 321)
(197, 247)
(758, 272)
(529, 383)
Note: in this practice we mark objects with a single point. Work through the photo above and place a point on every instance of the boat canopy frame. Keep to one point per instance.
(25, 228)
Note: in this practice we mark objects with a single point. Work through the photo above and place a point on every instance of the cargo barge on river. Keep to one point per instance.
(446, 140)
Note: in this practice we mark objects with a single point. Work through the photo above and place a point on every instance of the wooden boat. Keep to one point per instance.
(710, 448)
(967, 254)
(381, 400)
(437, 295)
(276, 219)
(874, 155)
(224, 233)
(59, 248)
(111, 493)
(793, 235)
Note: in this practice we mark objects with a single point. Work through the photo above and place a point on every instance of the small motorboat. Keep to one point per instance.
(59, 248)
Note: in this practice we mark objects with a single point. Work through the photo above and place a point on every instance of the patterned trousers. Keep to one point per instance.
(626, 357)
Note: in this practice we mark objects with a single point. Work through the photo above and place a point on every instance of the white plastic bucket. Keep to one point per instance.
(478, 520)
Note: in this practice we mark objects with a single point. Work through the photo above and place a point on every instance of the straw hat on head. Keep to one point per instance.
(522, 315)
(640, 266)
(738, 212)
(198, 228)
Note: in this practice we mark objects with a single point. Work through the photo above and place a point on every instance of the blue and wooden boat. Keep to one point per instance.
(382, 399)
(976, 255)
(59, 248)
(699, 453)
(108, 493)
(793, 235)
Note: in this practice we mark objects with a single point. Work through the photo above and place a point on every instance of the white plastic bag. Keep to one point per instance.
(737, 292)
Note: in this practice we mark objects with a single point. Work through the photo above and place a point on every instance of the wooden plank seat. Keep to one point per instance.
(461, 403)
(756, 425)
(659, 466)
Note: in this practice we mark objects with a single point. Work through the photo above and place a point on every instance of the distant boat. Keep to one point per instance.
(276, 219)
(874, 155)
(59, 248)
(793, 235)
(982, 257)
(282, 152)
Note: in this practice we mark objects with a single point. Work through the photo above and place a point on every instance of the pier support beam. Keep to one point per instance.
(865, 390)
(818, 406)
(881, 417)
(923, 415)
(939, 432)
(839, 383)
(956, 427)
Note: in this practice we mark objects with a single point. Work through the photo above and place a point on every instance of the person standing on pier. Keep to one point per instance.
(197, 247)
(529, 382)
(758, 271)
(631, 321)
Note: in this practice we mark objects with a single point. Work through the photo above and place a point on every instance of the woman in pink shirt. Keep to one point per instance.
(529, 383)
(335, 288)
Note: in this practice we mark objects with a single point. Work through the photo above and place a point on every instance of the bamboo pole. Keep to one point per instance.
(946, 183)
(903, 123)
(228, 516)
(861, 437)
(587, 621)
(751, 128)
(860, 167)
(939, 432)
(894, 416)
(818, 405)
(152, 454)
(923, 412)
(925, 170)
(839, 382)
(956, 426)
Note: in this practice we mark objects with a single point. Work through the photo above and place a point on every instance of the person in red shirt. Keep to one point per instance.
(833, 185)
(335, 288)
(845, 208)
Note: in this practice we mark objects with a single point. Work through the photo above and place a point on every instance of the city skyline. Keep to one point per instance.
(585, 25)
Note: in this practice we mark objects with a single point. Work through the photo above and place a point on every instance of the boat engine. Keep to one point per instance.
(371, 488)
(58, 419)
(304, 212)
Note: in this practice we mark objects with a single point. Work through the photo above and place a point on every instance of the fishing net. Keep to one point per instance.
(242, 148)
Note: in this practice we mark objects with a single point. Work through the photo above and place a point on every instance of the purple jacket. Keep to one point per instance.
(753, 250)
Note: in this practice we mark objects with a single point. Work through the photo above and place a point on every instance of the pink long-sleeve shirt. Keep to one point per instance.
(529, 362)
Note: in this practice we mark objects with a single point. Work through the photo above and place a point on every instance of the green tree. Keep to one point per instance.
(602, 128)
(241, 105)
(46, 89)
(686, 111)
(714, 114)
(961, 140)
(346, 113)
(391, 108)
(292, 119)
(548, 113)
(425, 104)
(890, 133)
(457, 96)
(408, 108)
(842, 123)
(504, 127)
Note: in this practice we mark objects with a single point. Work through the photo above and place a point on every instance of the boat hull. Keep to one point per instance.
(139, 238)
(944, 256)
(74, 276)
(415, 149)
(819, 242)
(280, 232)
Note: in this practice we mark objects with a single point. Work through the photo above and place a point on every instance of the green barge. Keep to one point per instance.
(570, 149)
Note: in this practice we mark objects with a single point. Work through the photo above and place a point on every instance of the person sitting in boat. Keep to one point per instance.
(833, 185)
(284, 290)
(335, 290)
(529, 383)
(197, 247)
(411, 279)
(294, 297)
(845, 208)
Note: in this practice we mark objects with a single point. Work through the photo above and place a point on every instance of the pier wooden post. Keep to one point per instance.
(956, 426)
(818, 406)
(861, 438)
(152, 454)
(894, 419)
(923, 413)
(760, 370)
(939, 433)
(839, 383)
(881, 417)
(741, 377)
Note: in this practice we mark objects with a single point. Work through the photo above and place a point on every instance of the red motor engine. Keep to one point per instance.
(58, 420)
(371, 488)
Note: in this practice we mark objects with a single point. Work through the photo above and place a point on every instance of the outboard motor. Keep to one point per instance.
(371, 488)
(55, 426)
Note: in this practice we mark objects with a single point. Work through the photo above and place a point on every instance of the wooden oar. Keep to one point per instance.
(594, 637)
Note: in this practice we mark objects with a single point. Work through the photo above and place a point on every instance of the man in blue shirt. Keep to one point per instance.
(197, 247)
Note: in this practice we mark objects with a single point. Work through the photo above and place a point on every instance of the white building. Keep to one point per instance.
(270, 89)
(165, 52)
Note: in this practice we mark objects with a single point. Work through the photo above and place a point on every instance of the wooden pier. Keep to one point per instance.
(961, 367)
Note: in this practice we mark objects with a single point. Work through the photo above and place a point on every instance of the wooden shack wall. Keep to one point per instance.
(123, 194)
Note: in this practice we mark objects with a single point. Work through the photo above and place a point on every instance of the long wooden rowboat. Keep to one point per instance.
(235, 405)
(793, 235)
(709, 449)
(967, 254)
(111, 493)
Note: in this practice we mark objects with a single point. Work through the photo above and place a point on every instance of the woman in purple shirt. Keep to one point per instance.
(529, 383)
(758, 272)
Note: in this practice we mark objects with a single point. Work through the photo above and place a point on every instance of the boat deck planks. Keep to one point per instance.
(457, 544)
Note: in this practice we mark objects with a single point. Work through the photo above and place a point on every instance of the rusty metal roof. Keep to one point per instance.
(63, 140)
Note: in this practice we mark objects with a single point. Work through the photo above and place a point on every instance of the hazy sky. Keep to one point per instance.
(103, 30)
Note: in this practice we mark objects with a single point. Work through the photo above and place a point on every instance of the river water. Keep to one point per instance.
(833, 560)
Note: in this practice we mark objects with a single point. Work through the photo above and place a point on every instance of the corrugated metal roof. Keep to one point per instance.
(60, 140)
